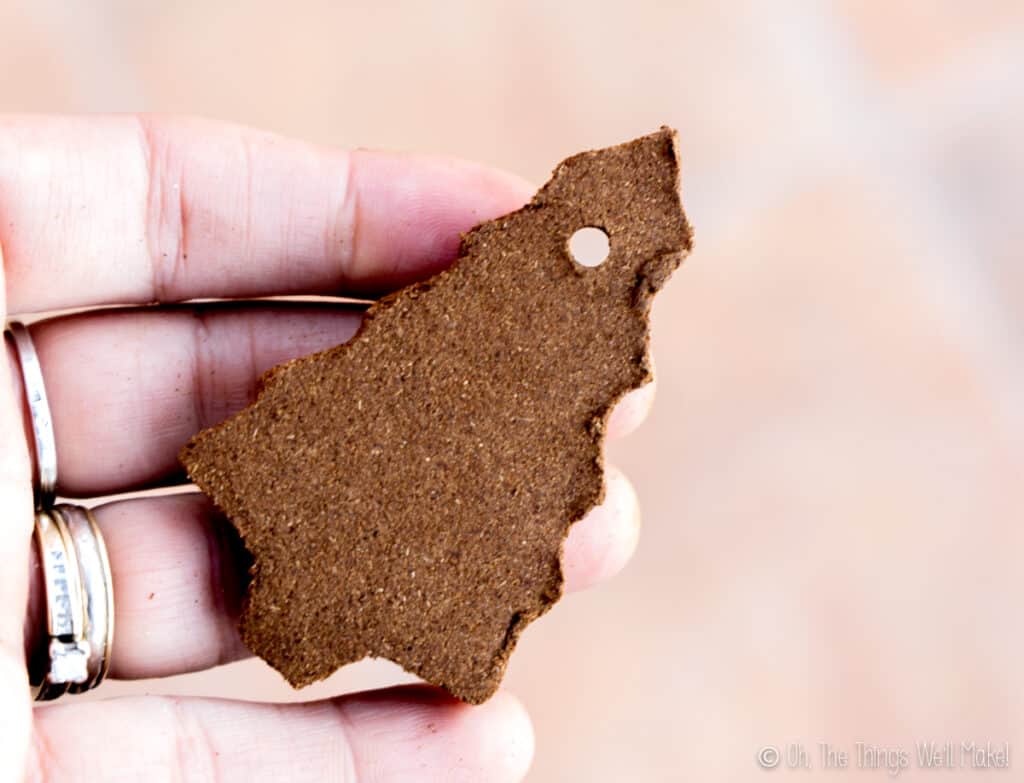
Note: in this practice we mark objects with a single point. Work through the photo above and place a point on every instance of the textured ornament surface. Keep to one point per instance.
(406, 495)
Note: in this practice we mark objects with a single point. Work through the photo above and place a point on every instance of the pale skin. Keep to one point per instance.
(134, 210)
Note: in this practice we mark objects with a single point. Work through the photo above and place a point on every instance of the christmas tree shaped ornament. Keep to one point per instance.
(406, 495)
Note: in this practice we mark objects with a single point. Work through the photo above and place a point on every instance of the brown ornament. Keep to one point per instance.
(406, 495)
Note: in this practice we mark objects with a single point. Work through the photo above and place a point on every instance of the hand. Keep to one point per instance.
(136, 210)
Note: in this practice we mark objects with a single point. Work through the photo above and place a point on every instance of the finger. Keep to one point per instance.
(128, 388)
(398, 734)
(179, 576)
(15, 541)
(127, 209)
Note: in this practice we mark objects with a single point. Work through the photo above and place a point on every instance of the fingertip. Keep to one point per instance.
(413, 210)
(506, 738)
(600, 544)
(505, 187)
(631, 410)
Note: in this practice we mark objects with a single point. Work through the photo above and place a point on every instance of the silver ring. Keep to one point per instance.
(91, 554)
(68, 652)
(45, 451)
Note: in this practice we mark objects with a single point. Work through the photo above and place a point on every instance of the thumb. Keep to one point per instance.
(16, 520)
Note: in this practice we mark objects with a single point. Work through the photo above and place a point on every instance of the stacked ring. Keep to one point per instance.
(78, 586)
(98, 595)
(69, 650)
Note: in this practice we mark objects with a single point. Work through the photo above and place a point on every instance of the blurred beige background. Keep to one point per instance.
(832, 474)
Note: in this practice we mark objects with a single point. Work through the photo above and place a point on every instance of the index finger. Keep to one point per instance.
(136, 209)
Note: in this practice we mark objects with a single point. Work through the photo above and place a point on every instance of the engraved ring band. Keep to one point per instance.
(78, 587)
